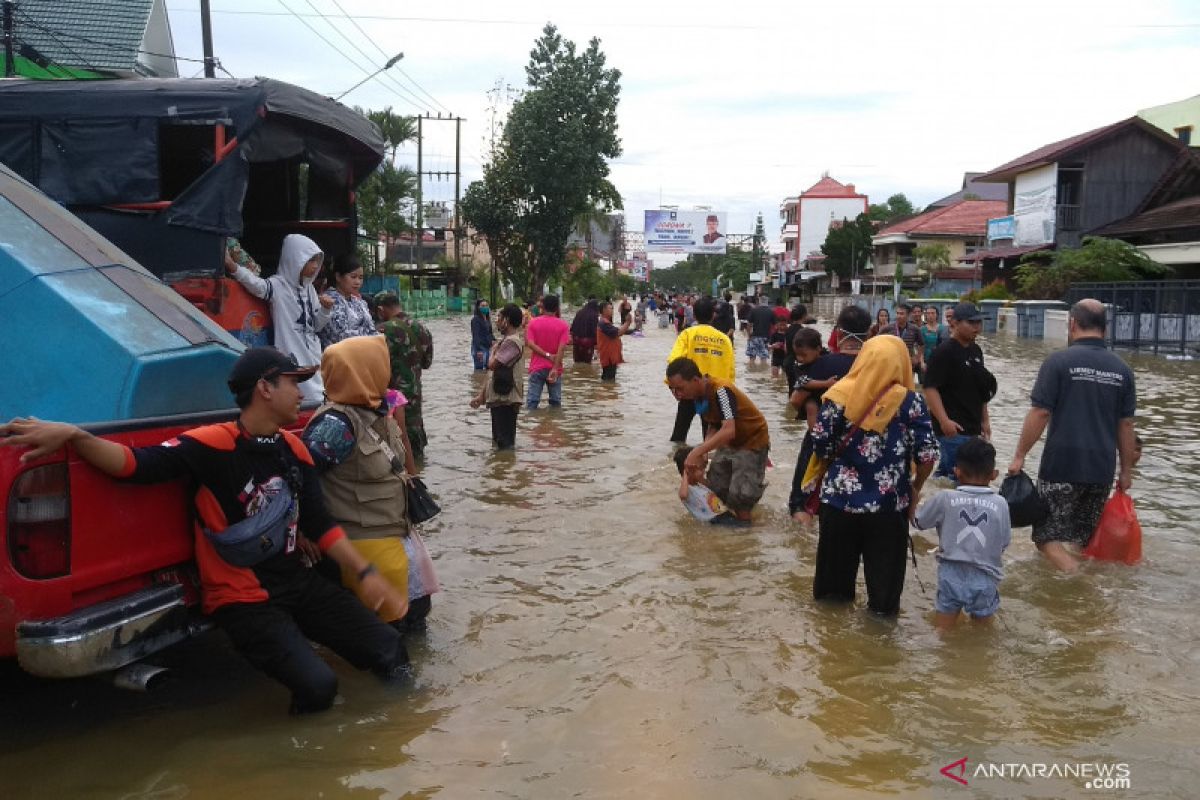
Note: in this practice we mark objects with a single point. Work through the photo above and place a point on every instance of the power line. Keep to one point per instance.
(418, 101)
(636, 25)
(383, 53)
(58, 41)
(54, 33)
(339, 51)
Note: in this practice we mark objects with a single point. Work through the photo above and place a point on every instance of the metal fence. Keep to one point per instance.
(1153, 315)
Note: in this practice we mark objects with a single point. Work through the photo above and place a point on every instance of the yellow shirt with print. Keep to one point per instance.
(709, 348)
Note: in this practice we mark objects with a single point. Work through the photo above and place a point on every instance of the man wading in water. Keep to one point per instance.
(736, 435)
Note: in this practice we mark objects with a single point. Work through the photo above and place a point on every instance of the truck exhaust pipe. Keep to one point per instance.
(138, 677)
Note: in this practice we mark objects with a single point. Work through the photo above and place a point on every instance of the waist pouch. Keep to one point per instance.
(258, 537)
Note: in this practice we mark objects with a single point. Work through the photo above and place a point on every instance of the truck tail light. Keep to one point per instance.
(39, 522)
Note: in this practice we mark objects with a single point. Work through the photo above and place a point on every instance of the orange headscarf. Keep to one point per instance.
(882, 362)
(356, 371)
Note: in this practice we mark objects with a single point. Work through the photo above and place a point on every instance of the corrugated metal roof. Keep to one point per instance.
(1003, 252)
(1052, 153)
(965, 218)
(1183, 213)
(830, 187)
(92, 34)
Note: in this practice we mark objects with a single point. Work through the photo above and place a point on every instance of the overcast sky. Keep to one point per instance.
(736, 105)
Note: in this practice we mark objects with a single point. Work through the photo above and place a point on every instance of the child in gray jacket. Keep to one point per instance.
(973, 531)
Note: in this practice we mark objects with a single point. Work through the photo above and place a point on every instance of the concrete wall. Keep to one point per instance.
(1007, 322)
(815, 218)
(1171, 116)
(1055, 326)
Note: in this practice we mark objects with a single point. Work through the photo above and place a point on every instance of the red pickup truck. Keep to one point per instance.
(95, 574)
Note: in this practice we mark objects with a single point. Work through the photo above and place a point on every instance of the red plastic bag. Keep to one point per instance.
(1118, 537)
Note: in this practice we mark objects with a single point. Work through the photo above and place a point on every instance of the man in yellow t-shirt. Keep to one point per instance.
(710, 349)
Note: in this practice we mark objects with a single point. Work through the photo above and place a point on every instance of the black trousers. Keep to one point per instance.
(504, 425)
(879, 541)
(683, 420)
(608, 373)
(274, 637)
(798, 497)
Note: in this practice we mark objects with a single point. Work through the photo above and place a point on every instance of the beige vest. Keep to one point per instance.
(364, 493)
(517, 395)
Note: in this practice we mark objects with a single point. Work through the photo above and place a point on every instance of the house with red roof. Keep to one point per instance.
(961, 226)
(807, 218)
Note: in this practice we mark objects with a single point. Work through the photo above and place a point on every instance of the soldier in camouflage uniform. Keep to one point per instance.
(410, 347)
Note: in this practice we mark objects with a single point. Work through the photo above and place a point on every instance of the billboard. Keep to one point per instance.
(636, 268)
(671, 231)
(1001, 228)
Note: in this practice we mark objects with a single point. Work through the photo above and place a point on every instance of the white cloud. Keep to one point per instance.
(737, 105)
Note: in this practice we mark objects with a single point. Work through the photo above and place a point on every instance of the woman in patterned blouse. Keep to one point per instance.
(350, 315)
(870, 489)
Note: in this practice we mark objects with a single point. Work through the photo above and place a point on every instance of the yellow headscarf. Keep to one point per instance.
(357, 371)
(882, 362)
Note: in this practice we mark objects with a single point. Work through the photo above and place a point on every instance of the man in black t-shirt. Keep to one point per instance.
(1086, 395)
(762, 320)
(272, 605)
(723, 319)
(958, 387)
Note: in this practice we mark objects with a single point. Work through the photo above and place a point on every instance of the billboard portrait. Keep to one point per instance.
(671, 231)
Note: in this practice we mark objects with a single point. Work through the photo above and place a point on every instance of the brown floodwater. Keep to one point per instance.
(592, 640)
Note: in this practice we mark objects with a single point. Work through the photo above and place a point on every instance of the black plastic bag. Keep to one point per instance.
(421, 505)
(1025, 505)
(502, 379)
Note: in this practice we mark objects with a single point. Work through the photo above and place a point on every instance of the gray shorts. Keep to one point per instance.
(965, 587)
(1075, 510)
(738, 477)
(757, 347)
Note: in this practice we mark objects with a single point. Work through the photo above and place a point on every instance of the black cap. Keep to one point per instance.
(967, 312)
(258, 363)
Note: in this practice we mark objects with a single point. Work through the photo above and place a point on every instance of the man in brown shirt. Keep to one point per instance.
(736, 436)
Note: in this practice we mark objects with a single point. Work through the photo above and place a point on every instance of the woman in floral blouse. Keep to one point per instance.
(870, 488)
(350, 315)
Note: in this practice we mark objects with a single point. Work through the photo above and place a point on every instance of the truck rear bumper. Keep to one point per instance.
(108, 635)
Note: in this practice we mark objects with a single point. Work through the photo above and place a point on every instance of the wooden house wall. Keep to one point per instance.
(1118, 174)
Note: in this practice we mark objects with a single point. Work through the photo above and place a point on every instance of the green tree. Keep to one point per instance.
(383, 196)
(381, 199)
(551, 162)
(1096, 259)
(396, 129)
(734, 268)
(847, 248)
(932, 257)
(588, 280)
(896, 207)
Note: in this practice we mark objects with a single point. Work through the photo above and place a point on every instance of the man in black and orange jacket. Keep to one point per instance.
(271, 609)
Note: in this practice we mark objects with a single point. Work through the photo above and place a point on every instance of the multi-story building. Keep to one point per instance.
(807, 217)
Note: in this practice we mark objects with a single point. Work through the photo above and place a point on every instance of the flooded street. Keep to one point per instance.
(592, 640)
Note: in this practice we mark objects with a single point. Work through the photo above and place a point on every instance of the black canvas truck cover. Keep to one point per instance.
(93, 143)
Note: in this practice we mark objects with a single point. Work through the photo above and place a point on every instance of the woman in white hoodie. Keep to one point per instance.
(297, 311)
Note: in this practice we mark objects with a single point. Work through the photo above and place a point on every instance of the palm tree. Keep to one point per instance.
(395, 128)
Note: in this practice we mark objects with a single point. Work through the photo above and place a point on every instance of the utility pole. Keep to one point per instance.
(9, 67)
(439, 174)
(420, 232)
(210, 63)
(457, 196)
